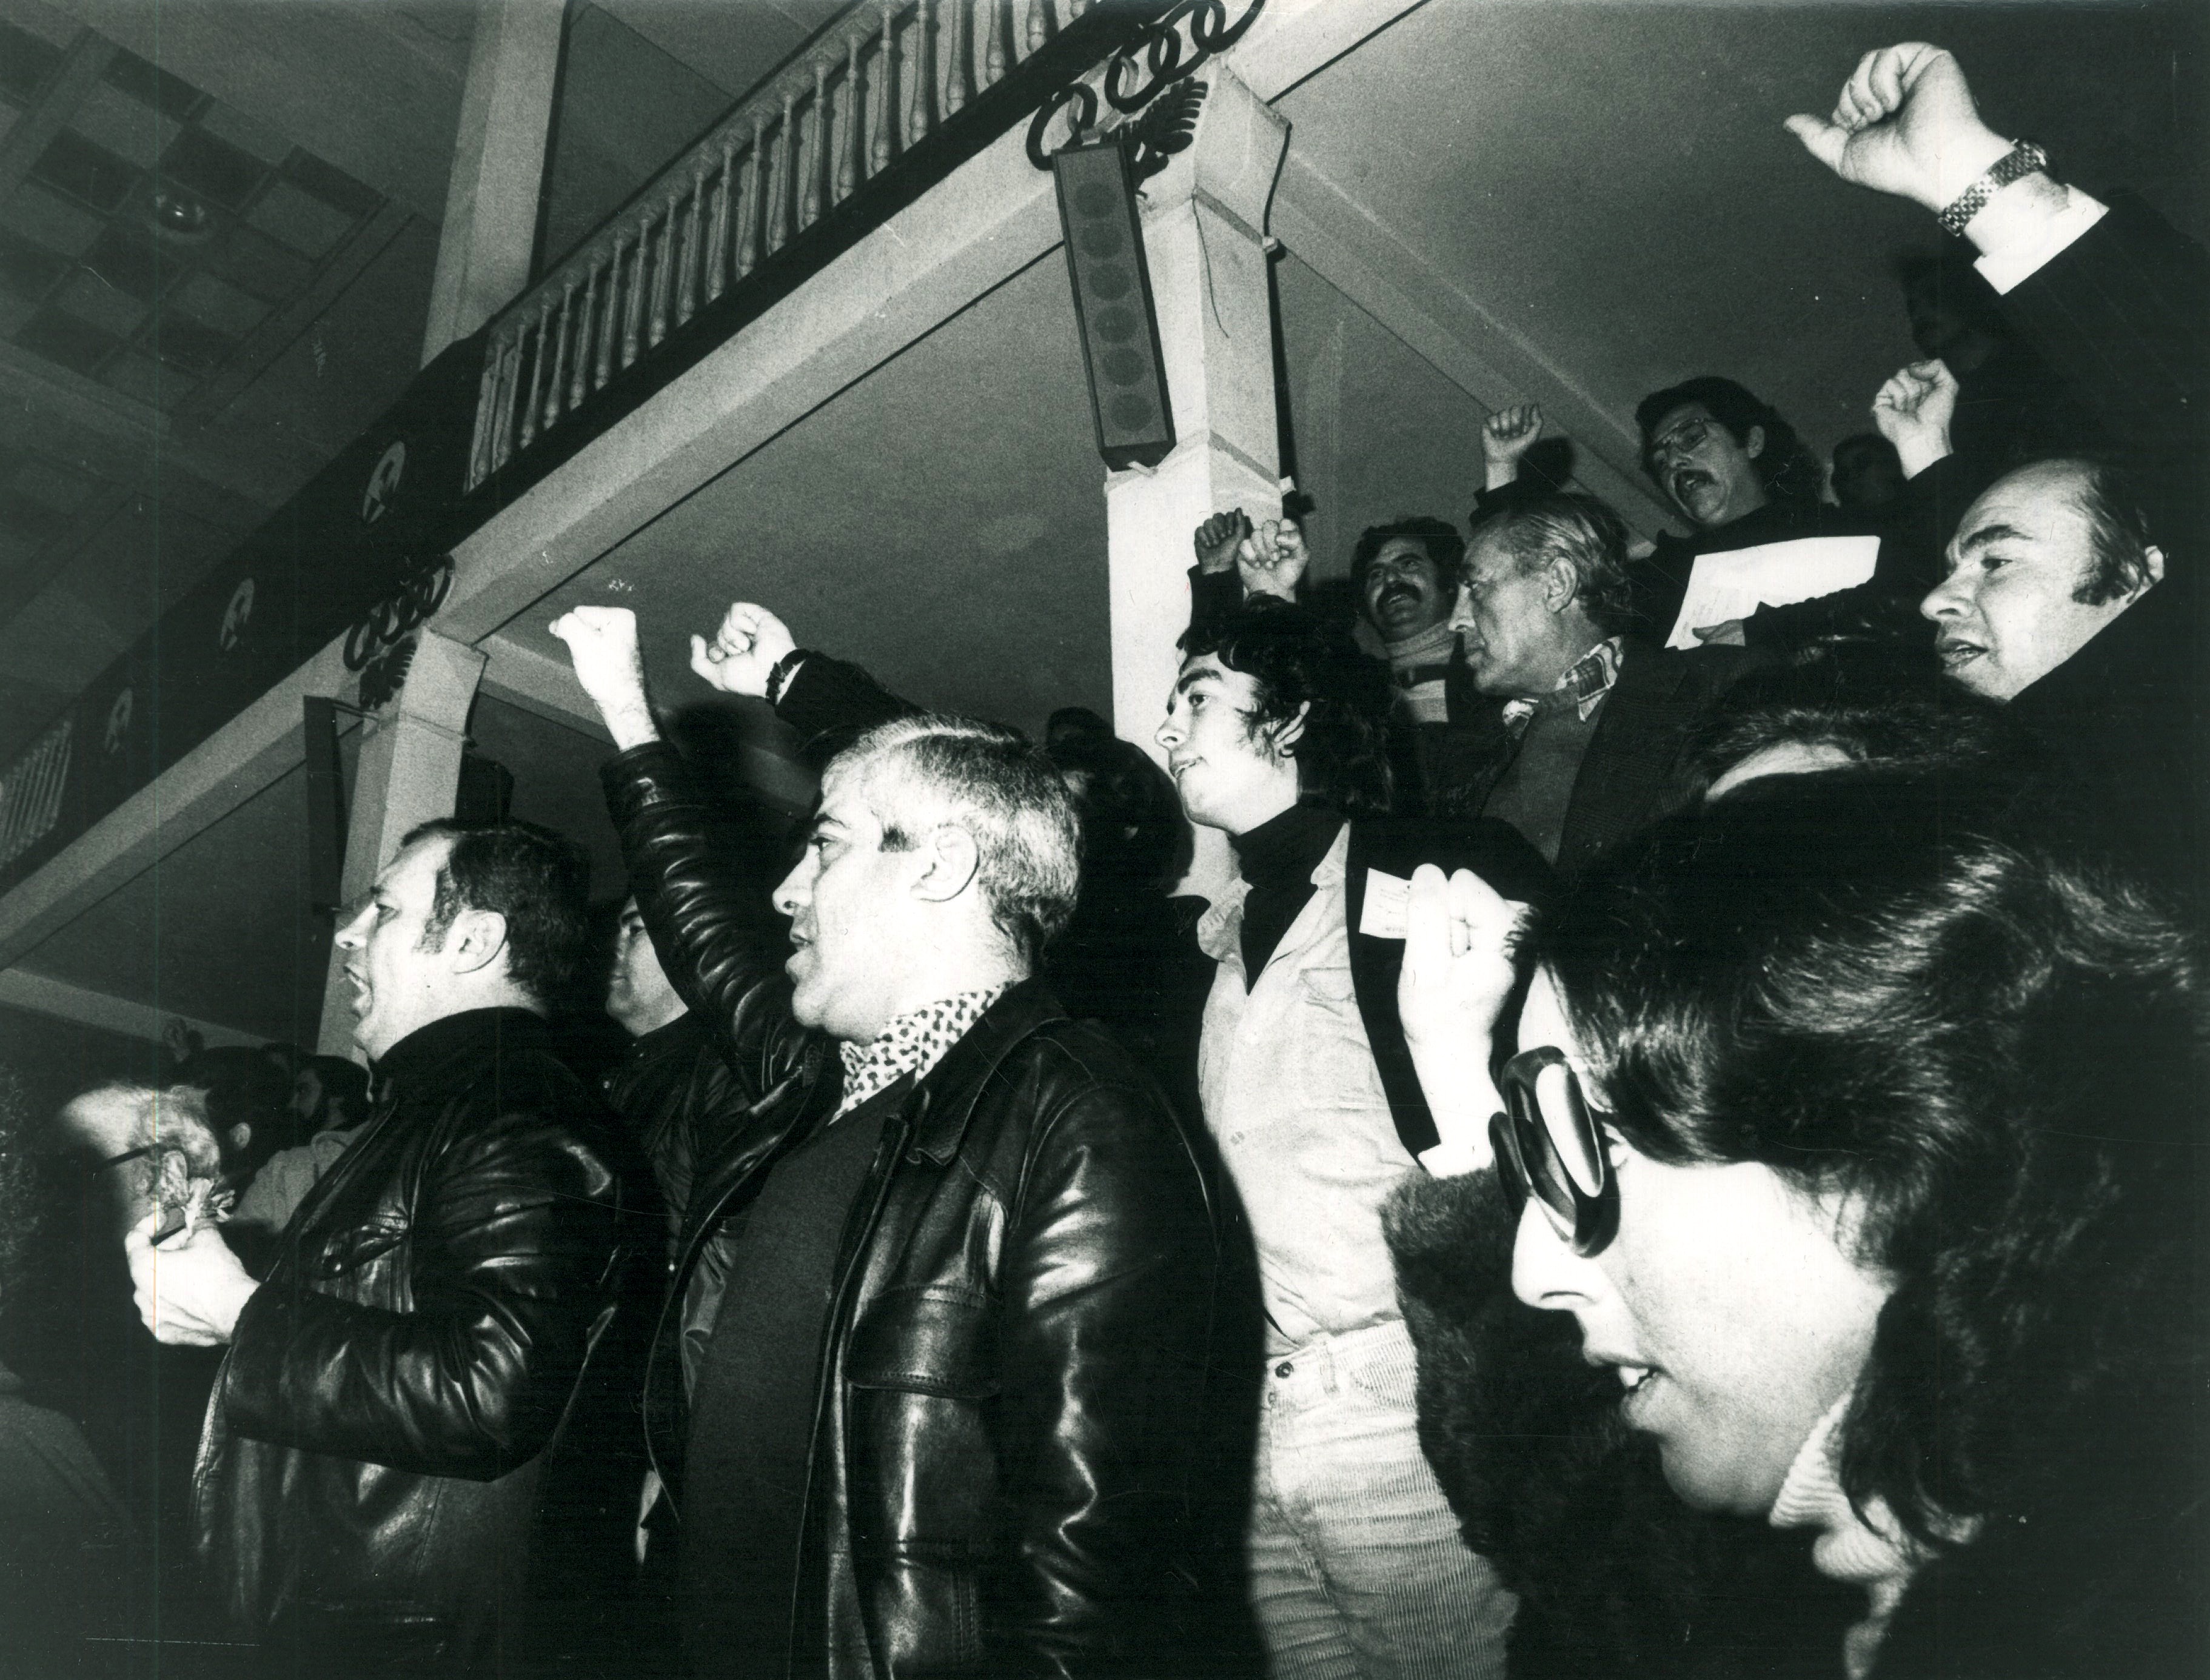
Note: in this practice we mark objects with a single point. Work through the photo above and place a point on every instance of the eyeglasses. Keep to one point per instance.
(1550, 1146)
(1689, 435)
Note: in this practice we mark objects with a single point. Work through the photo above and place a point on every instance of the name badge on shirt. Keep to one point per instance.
(1387, 898)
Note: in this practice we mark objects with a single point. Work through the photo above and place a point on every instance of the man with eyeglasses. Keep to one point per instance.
(1732, 466)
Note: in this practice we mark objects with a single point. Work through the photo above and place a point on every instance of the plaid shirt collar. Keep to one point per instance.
(913, 1043)
(1584, 687)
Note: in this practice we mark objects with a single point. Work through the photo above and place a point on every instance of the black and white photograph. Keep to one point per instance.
(1104, 840)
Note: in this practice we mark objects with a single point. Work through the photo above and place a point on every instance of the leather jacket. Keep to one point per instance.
(433, 1336)
(679, 1098)
(1003, 1474)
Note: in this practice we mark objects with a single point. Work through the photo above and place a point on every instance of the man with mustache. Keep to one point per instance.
(951, 1290)
(1737, 471)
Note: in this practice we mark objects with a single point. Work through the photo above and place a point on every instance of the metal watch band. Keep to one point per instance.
(2024, 158)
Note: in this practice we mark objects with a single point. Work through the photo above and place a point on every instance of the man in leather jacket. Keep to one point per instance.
(960, 1276)
(404, 1469)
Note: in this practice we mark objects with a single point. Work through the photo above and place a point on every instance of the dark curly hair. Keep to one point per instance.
(1438, 537)
(1785, 466)
(1298, 660)
(1996, 1060)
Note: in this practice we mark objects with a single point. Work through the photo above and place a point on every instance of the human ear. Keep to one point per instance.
(1286, 735)
(951, 861)
(1753, 444)
(2152, 558)
(1562, 585)
(476, 940)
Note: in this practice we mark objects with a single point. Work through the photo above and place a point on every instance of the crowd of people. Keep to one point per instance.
(1674, 1154)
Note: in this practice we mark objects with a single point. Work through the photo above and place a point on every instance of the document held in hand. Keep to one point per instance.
(1734, 585)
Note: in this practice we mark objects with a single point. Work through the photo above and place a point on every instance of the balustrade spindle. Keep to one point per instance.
(921, 57)
(610, 323)
(718, 259)
(994, 26)
(587, 342)
(878, 154)
(1038, 29)
(509, 366)
(848, 125)
(778, 200)
(1076, 8)
(562, 331)
(959, 77)
(748, 243)
(487, 416)
(663, 275)
(686, 302)
(633, 309)
(536, 376)
(816, 137)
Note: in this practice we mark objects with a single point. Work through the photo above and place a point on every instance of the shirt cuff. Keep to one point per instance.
(2010, 268)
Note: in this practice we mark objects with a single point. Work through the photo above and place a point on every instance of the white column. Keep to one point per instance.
(409, 772)
(1204, 221)
(498, 166)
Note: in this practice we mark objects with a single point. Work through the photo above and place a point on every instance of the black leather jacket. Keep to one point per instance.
(434, 1333)
(681, 1098)
(1004, 1473)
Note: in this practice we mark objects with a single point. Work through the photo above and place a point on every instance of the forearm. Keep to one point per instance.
(704, 891)
(471, 1381)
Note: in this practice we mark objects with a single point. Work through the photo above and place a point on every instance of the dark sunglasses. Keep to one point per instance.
(1550, 1146)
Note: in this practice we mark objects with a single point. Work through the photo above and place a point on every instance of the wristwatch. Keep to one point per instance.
(2024, 158)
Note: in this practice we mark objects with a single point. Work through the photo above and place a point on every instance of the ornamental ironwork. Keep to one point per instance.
(381, 642)
(1135, 78)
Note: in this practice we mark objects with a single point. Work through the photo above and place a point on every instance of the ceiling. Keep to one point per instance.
(218, 230)
(1610, 183)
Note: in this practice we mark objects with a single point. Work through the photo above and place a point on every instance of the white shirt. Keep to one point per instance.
(1295, 1103)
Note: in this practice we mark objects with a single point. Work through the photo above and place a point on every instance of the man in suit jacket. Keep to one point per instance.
(2066, 593)
(1592, 745)
(1276, 733)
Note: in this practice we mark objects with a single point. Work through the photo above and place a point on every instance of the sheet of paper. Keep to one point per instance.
(1776, 574)
(1387, 898)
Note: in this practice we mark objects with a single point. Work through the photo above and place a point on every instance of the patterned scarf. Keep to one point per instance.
(913, 1043)
(1584, 687)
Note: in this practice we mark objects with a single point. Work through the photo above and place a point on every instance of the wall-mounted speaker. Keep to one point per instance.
(1113, 305)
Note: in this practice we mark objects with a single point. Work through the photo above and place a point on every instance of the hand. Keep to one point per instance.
(745, 651)
(1904, 123)
(1460, 937)
(1728, 633)
(1272, 558)
(1505, 436)
(1217, 538)
(1914, 411)
(191, 1288)
(602, 644)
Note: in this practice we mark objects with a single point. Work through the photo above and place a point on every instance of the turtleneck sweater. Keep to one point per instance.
(1419, 665)
(1277, 859)
(1868, 1547)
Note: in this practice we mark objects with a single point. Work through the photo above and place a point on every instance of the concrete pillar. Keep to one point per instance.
(498, 168)
(409, 772)
(1204, 221)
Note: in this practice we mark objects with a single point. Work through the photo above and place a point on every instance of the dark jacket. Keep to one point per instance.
(1003, 1477)
(419, 1390)
(1886, 608)
(680, 1099)
(1637, 769)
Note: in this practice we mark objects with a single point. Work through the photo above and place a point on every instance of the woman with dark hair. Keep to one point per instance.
(1871, 1174)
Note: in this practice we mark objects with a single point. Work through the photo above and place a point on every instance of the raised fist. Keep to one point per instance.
(1904, 123)
(745, 651)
